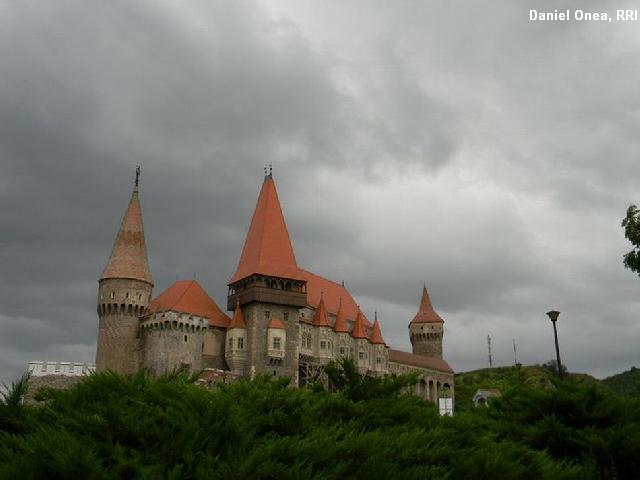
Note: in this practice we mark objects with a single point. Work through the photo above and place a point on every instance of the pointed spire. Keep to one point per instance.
(267, 248)
(426, 313)
(358, 327)
(238, 320)
(128, 257)
(341, 323)
(376, 333)
(321, 319)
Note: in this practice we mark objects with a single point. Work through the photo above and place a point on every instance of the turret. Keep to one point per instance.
(124, 294)
(361, 342)
(426, 329)
(237, 345)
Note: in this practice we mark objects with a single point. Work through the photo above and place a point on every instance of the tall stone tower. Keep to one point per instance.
(124, 294)
(426, 329)
(270, 289)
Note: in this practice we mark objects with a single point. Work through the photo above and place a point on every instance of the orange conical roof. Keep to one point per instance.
(188, 296)
(341, 323)
(376, 333)
(321, 319)
(238, 320)
(358, 327)
(426, 313)
(129, 255)
(267, 248)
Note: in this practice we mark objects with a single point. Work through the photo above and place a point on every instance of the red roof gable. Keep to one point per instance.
(426, 313)
(376, 334)
(332, 293)
(267, 248)
(276, 323)
(358, 327)
(396, 356)
(188, 296)
(341, 323)
(321, 319)
(238, 320)
(128, 257)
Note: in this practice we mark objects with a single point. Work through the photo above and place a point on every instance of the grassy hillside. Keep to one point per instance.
(506, 378)
(625, 383)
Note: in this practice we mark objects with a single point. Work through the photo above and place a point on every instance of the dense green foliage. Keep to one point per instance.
(631, 225)
(625, 383)
(111, 426)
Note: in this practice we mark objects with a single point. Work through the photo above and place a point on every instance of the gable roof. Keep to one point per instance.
(405, 358)
(340, 326)
(376, 334)
(238, 320)
(332, 293)
(426, 313)
(128, 257)
(188, 296)
(267, 248)
(276, 323)
(358, 327)
(320, 319)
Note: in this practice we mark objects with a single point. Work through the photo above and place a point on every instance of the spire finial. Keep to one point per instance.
(268, 174)
(137, 174)
(376, 315)
(321, 294)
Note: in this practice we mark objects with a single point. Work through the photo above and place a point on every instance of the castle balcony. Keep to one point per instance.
(266, 295)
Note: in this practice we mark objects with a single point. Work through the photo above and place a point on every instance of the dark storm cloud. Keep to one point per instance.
(464, 146)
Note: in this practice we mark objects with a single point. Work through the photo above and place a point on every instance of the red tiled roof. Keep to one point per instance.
(376, 334)
(426, 313)
(358, 327)
(128, 257)
(321, 319)
(332, 293)
(276, 323)
(405, 358)
(188, 296)
(267, 248)
(238, 320)
(340, 326)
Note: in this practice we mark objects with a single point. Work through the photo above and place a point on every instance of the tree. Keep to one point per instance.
(631, 224)
(552, 367)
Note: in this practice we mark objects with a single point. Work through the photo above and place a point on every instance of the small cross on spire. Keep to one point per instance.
(137, 174)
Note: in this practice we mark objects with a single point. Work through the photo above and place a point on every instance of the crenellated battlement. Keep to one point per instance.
(68, 369)
(171, 320)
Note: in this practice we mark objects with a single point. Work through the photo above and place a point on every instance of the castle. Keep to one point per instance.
(286, 321)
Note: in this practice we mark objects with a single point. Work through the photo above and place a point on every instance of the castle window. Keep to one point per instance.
(378, 360)
(285, 317)
(185, 338)
(127, 295)
(341, 350)
(276, 343)
(240, 343)
(323, 344)
(267, 314)
(360, 355)
(139, 296)
(304, 340)
(112, 295)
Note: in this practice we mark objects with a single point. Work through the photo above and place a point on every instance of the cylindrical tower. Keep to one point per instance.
(426, 329)
(124, 294)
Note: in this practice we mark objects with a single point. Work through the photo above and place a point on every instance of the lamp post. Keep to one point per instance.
(553, 315)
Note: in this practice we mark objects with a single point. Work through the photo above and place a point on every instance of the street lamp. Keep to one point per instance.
(553, 315)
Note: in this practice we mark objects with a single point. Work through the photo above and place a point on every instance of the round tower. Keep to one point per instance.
(236, 348)
(124, 294)
(426, 329)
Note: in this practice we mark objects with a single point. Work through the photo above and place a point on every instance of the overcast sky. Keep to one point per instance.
(454, 143)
